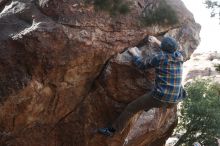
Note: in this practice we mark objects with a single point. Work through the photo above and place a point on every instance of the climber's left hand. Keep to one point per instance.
(133, 51)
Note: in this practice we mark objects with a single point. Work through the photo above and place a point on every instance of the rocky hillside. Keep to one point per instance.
(202, 65)
(65, 71)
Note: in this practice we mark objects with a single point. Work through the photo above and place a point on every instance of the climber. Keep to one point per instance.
(167, 91)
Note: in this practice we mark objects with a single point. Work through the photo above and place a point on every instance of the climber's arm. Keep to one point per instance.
(153, 39)
(182, 51)
(137, 58)
(139, 61)
(141, 64)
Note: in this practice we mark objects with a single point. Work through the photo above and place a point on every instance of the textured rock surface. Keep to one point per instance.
(64, 71)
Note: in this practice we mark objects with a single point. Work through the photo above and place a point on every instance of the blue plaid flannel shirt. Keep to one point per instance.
(168, 69)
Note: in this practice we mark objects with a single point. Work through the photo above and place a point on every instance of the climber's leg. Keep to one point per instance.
(145, 102)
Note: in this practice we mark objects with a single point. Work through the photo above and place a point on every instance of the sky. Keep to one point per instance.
(210, 31)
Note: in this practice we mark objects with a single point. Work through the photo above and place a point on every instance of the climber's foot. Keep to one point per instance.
(109, 131)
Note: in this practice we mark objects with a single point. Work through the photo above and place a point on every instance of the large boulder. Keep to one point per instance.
(65, 71)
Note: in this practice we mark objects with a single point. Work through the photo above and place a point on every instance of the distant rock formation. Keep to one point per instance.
(64, 72)
(202, 65)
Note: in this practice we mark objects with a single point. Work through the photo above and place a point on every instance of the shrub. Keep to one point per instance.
(163, 14)
(214, 6)
(217, 67)
(200, 114)
(114, 7)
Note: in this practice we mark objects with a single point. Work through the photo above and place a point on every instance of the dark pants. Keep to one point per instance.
(144, 102)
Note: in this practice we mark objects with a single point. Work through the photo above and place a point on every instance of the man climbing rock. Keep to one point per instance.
(167, 92)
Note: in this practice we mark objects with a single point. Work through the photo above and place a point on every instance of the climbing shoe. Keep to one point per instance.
(109, 131)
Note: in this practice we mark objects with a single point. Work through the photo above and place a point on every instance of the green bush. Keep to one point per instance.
(200, 114)
(114, 7)
(214, 6)
(163, 14)
(217, 67)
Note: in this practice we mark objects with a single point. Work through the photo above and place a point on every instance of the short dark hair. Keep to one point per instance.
(169, 45)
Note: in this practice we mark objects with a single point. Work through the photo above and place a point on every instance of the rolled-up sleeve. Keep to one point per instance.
(141, 64)
(138, 61)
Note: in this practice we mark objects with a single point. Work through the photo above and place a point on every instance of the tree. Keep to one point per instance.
(114, 7)
(200, 114)
(214, 6)
(217, 67)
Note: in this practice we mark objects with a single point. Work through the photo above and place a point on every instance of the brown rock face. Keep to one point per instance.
(64, 72)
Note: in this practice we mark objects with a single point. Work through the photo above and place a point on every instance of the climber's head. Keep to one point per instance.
(169, 45)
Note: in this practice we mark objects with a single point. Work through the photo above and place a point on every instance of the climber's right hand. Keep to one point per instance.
(152, 39)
